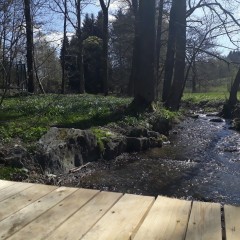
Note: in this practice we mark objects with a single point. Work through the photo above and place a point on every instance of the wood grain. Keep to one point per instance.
(20, 219)
(205, 222)
(23, 199)
(84, 219)
(232, 222)
(122, 220)
(167, 219)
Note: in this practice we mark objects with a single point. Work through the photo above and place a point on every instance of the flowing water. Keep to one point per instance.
(201, 162)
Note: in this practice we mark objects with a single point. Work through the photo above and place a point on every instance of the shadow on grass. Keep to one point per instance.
(8, 116)
(100, 120)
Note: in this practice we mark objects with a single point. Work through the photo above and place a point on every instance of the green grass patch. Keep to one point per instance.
(7, 173)
(30, 117)
(209, 96)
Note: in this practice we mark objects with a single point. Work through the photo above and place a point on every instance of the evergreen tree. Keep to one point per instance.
(92, 47)
(121, 48)
(88, 28)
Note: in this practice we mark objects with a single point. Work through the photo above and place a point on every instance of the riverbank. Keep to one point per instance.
(73, 130)
(193, 163)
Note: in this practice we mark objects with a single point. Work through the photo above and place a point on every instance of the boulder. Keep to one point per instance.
(62, 149)
(114, 147)
(137, 144)
(15, 156)
(162, 126)
(138, 132)
(236, 124)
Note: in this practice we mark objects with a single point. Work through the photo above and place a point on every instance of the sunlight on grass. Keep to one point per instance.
(209, 96)
(30, 117)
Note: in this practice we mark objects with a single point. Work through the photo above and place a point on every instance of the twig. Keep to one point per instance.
(73, 170)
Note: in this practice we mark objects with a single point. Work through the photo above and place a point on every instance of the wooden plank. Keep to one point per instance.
(83, 220)
(13, 189)
(205, 222)
(54, 216)
(122, 220)
(22, 199)
(4, 184)
(232, 222)
(20, 219)
(167, 219)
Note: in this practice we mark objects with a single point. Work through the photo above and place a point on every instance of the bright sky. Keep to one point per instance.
(56, 35)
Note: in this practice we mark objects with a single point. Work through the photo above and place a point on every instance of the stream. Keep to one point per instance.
(201, 162)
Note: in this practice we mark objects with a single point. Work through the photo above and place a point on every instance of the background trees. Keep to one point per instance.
(106, 51)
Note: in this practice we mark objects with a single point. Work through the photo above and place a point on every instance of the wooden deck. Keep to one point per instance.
(33, 211)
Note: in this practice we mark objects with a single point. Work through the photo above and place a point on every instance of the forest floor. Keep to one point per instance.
(24, 119)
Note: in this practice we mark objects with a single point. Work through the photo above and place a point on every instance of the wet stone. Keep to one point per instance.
(217, 120)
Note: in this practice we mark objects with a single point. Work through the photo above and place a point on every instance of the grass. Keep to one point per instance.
(209, 96)
(7, 173)
(29, 117)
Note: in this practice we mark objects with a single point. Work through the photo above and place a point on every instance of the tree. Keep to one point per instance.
(89, 26)
(12, 40)
(121, 48)
(80, 47)
(63, 50)
(29, 36)
(73, 15)
(92, 47)
(169, 61)
(47, 64)
(145, 83)
(234, 89)
(159, 38)
(174, 97)
(105, 7)
(134, 6)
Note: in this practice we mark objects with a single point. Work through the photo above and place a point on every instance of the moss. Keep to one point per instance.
(103, 136)
(163, 138)
(7, 173)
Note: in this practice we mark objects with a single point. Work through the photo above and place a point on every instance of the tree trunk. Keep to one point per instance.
(145, 83)
(234, 89)
(64, 48)
(158, 42)
(173, 101)
(80, 48)
(29, 35)
(194, 77)
(169, 62)
(105, 51)
(136, 48)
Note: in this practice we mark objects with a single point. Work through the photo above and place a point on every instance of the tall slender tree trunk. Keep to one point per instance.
(145, 83)
(194, 78)
(64, 48)
(80, 48)
(105, 51)
(169, 62)
(173, 101)
(136, 49)
(105, 8)
(158, 42)
(29, 35)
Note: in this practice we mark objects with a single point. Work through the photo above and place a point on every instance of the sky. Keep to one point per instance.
(55, 31)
